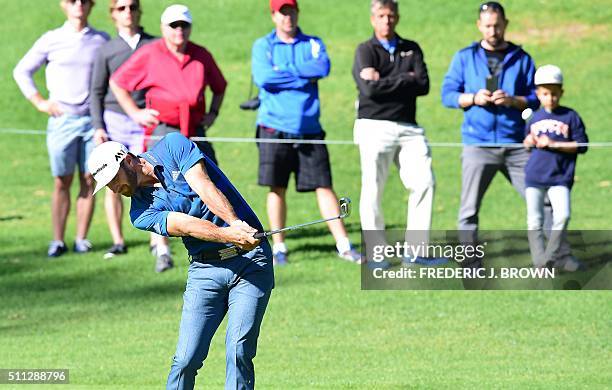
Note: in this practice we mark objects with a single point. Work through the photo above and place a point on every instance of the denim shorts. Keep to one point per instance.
(69, 142)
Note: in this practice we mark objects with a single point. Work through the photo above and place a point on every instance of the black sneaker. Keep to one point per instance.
(115, 250)
(56, 249)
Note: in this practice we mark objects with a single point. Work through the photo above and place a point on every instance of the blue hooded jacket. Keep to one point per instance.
(468, 73)
(287, 74)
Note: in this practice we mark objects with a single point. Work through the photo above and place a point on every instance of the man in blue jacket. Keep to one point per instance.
(287, 65)
(492, 81)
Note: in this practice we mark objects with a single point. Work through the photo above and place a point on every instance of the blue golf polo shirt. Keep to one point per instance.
(171, 157)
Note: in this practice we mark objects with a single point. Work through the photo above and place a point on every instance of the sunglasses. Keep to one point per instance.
(83, 2)
(182, 24)
(131, 7)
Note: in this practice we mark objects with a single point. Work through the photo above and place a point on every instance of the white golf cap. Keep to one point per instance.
(104, 162)
(176, 13)
(548, 74)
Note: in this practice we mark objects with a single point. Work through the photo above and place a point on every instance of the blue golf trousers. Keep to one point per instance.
(240, 287)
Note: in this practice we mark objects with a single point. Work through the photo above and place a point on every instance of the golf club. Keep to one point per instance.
(345, 211)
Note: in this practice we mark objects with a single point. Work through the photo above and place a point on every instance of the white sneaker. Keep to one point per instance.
(163, 263)
(280, 258)
(351, 255)
(56, 249)
(82, 246)
(569, 264)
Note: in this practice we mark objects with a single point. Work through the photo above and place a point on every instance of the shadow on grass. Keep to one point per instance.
(11, 218)
(301, 248)
(49, 299)
(308, 249)
(88, 286)
(322, 230)
(19, 260)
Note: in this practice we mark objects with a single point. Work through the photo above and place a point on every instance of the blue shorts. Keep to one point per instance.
(69, 142)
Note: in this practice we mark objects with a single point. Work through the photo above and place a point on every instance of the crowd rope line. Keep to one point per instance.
(315, 141)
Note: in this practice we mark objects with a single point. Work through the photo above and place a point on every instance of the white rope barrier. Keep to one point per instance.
(322, 142)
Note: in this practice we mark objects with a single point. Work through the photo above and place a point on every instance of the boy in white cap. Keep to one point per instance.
(558, 135)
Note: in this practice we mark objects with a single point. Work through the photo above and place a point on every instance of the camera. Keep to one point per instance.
(251, 104)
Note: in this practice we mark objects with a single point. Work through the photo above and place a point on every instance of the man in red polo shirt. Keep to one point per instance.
(175, 72)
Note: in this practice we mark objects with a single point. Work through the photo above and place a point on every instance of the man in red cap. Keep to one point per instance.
(276, 5)
(287, 65)
(175, 72)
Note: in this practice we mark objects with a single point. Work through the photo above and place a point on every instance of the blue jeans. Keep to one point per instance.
(241, 288)
(559, 196)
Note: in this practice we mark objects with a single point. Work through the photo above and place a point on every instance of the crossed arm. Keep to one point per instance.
(371, 84)
(272, 76)
(238, 233)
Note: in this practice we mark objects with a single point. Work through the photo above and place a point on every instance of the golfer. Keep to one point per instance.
(177, 191)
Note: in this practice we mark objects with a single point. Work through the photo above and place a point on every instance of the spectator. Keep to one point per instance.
(68, 53)
(287, 65)
(492, 82)
(390, 73)
(112, 123)
(555, 131)
(175, 72)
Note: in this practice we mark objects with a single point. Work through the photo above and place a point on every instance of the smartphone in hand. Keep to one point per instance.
(492, 83)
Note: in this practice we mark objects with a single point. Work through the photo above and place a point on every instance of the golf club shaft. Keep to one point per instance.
(259, 235)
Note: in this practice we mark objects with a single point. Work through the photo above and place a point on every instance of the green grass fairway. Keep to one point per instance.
(114, 324)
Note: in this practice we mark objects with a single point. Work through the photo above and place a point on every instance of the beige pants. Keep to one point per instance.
(380, 143)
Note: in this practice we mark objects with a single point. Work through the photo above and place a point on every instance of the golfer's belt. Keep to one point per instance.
(216, 255)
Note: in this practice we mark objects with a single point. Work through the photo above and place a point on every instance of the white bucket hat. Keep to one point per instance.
(104, 162)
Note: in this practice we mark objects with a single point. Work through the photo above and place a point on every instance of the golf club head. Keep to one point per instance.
(345, 207)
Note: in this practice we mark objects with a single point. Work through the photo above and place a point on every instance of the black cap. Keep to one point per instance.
(492, 6)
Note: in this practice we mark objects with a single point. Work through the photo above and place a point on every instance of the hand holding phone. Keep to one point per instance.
(482, 97)
(492, 83)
